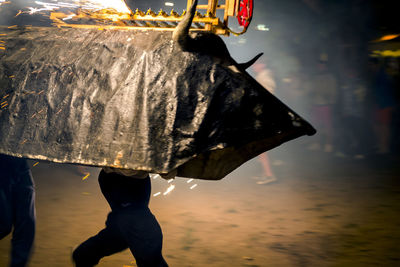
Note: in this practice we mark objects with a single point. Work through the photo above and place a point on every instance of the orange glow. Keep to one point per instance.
(388, 37)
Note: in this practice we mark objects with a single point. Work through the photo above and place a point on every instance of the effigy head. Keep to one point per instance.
(136, 100)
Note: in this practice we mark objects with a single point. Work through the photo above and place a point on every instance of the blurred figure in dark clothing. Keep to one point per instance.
(322, 93)
(382, 88)
(17, 207)
(130, 224)
(393, 70)
(355, 130)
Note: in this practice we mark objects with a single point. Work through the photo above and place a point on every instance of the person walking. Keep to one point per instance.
(17, 208)
(130, 224)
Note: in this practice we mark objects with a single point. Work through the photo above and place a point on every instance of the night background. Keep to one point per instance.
(332, 199)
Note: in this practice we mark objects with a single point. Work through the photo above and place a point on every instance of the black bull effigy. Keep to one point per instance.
(135, 100)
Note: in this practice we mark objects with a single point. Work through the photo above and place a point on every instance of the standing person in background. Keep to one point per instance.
(322, 92)
(355, 130)
(382, 87)
(265, 77)
(17, 208)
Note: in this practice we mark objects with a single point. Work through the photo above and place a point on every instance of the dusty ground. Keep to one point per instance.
(345, 213)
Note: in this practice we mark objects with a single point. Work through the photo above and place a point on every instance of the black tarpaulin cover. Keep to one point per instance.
(133, 100)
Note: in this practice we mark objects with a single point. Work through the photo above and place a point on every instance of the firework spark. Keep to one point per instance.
(169, 189)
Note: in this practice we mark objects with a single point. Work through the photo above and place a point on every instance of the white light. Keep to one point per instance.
(169, 4)
(170, 180)
(69, 17)
(262, 27)
(189, 181)
(154, 176)
(193, 186)
(169, 189)
(157, 194)
(118, 5)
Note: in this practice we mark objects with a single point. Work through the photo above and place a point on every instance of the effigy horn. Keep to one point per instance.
(248, 64)
(181, 33)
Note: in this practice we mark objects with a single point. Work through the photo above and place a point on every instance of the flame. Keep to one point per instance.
(118, 5)
(92, 10)
(90, 5)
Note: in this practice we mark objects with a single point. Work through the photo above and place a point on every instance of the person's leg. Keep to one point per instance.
(269, 175)
(23, 195)
(143, 235)
(139, 227)
(5, 197)
(5, 210)
(107, 242)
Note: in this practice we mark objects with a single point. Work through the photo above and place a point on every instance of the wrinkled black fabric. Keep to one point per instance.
(133, 100)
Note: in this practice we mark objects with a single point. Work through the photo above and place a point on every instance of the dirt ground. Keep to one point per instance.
(321, 211)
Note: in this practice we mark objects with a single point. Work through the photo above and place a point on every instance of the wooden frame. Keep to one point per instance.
(162, 21)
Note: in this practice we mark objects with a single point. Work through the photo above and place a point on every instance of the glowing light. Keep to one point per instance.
(157, 194)
(170, 180)
(388, 53)
(69, 17)
(388, 37)
(118, 5)
(35, 164)
(169, 189)
(169, 4)
(262, 27)
(86, 176)
(155, 176)
(193, 186)
(189, 181)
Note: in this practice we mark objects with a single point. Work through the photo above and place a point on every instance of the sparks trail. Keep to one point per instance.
(169, 189)
(85, 177)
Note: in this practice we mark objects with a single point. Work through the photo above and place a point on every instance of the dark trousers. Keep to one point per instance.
(17, 208)
(133, 227)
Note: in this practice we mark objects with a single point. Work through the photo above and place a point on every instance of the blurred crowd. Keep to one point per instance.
(355, 110)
